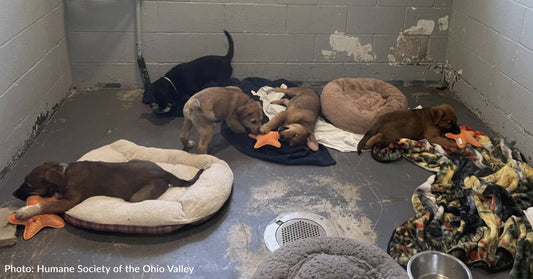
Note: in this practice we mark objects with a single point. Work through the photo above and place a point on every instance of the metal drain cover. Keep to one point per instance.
(294, 226)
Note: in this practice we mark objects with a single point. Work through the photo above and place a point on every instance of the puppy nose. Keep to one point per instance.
(19, 194)
(455, 128)
(255, 130)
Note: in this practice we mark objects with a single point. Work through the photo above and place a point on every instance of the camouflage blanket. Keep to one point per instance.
(471, 207)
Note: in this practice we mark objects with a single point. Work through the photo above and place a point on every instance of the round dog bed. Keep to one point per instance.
(178, 206)
(353, 103)
(329, 258)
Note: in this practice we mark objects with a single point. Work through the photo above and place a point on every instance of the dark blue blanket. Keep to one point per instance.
(287, 154)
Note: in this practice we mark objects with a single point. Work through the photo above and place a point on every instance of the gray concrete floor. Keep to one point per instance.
(365, 199)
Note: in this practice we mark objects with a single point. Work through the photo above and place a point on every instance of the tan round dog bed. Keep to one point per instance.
(178, 206)
(353, 103)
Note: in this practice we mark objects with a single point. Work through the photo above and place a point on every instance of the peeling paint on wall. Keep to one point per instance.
(40, 122)
(423, 27)
(410, 49)
(451, 76)
(351, 45)
(328, 54)
(412, 45)
(443, 23)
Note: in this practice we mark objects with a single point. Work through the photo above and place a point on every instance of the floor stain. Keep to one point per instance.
(241, 253)
(130, 96)
(309, 194)
(323, 195)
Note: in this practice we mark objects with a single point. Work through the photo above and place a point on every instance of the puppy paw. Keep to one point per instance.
(189, 144)
(27, 211)
(264, 130)
(186, 142)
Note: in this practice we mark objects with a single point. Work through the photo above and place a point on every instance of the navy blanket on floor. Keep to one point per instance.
(286, 155)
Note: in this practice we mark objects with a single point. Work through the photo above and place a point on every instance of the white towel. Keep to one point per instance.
(325, 133)
(529, 214)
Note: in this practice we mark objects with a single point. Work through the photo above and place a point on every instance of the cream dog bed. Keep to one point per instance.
(178, 206)
(353, 103)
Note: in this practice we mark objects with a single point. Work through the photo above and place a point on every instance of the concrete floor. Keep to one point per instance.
(365, 199)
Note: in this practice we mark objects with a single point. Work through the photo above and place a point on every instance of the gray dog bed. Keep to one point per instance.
(329, 258)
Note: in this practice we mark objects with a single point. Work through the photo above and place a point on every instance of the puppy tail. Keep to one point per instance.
(363, 141)
(182, 182)
(193, 110)
(229, 55)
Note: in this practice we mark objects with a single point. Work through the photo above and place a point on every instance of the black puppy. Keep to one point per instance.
(170, 92)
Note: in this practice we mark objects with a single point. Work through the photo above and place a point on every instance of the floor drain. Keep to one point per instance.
(295, 226)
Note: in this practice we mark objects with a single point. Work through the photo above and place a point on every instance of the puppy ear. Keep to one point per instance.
(311, 142)
(258, 107)
(241, 111)
(55, 177)
(436, 114)
(245, 109)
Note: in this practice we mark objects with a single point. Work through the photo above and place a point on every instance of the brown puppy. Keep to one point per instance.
(214, 104)
(72, 183)
(297, 123)
(427, 123)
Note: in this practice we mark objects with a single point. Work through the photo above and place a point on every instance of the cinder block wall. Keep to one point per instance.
(306, 40)
(34, 73)
(491, 43)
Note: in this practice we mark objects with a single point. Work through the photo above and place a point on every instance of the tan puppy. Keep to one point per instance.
(72, 183)
(214, 104)
(297, 123)
(427, 123)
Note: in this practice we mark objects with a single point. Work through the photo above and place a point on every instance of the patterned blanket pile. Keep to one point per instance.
(471, 208)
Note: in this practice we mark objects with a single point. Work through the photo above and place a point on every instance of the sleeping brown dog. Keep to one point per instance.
(214, 104)
(297, 123)
(427, 123)
(72, 183)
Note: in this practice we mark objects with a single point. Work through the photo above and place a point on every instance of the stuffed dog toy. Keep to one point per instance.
(214, 104)
(171, 91)
(72, 183)
(427, 123)
(297, 123)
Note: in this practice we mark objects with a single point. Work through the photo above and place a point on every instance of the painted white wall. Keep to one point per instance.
(34, 70)
(273, 38)
(491, 42)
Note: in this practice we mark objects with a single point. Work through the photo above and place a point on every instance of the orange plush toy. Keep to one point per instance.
(464, 137)
(270, 138)
(36, 223)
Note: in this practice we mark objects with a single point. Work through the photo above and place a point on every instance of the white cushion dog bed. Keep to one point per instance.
(178, 206)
